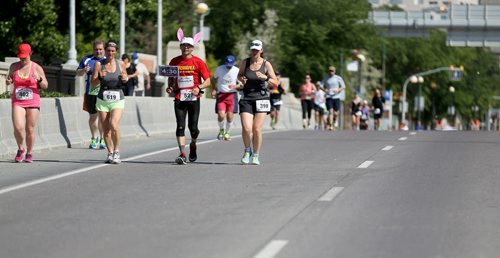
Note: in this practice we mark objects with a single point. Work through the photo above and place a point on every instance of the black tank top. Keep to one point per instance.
(112, 81)
(255, 88)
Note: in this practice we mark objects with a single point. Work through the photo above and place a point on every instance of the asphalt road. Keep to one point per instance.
(316, 194)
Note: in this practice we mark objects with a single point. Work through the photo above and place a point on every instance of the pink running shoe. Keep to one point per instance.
(28, 158)
(19, 156)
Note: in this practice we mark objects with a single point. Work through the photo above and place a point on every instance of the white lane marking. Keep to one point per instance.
(272, 249)
(413, 133)
(366, 164)
(388, 147)
(79, 171)
(403, 138)
(331, 194)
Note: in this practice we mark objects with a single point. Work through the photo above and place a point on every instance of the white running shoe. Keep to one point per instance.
(255, 160)
(246, 157)
(116, 158)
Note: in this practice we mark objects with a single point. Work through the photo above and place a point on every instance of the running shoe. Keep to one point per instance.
(116, 158)
(109, 160)
(102, 144)
(19, 156)
(192, 152)
(93, 144)
(181, 160)
(28, 158)
(246, 157)
(227, 137)
(255, 160)
(220, 136)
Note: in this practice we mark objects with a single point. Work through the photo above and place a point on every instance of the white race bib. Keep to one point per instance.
(24, 94)
(187, 95)
(110, 96)
(263, 105)
(185, 81)
(377, 111)
(358, 113)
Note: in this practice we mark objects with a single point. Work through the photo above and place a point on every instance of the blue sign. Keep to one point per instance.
(169, 70)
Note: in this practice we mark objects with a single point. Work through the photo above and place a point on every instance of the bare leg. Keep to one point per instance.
(31, 118)
(116, 116)
(258, 122)
(19, 122)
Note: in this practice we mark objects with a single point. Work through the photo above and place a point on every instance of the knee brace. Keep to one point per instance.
(179, 131)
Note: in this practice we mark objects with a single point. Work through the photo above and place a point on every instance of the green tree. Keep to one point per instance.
(36, 24)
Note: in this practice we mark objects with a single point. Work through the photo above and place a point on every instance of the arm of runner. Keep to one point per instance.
(40, 77)
(8, 79)
(241, 73)
(96, 75)
(124, 71)
(271, 76)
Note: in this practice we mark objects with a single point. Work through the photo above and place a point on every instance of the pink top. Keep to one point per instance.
(25, 93)
(306, 91)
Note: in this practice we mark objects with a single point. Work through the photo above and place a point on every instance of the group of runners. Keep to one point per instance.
(255, 78)
(106, 80)
(323, 98)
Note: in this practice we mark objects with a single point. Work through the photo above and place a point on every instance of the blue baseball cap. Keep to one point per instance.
(135, 55)
(230, 60)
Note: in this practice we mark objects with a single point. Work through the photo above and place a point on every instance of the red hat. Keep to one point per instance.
(24, 50)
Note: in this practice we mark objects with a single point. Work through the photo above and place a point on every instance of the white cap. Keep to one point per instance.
(256, 44)
(187, 40)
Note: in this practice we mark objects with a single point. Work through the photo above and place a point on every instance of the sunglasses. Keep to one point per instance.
(186, 45)
(255, 44)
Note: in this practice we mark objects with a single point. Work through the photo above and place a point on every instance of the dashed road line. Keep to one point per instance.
(366, 164)
(413, 133)
(388, 147)
(272, 249)
(331, 194)
(402, 139)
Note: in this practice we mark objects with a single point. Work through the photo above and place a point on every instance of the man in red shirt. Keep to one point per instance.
(188, 88)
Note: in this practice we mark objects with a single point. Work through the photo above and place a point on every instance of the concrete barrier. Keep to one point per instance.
(63, 123)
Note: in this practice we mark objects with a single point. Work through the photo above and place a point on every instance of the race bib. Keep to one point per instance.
(24, 94)
(185, 81)
(364, 117)
(358, 113)
(187, 95)
(110, 96)
(263, 105)
(377, 111)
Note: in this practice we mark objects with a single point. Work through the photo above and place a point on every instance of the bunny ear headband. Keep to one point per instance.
(188, 40)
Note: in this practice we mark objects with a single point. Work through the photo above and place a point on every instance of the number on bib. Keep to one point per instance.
(263, 105)
(187, 95)
(24, 94)
(110, 96)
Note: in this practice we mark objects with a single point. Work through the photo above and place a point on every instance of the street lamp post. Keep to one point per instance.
(203, 10)
(451, 110)
(415, 79)
(420, 80)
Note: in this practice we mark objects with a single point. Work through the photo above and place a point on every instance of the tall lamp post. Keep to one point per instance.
(203, 10)
(451, 109)
(420, 80)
